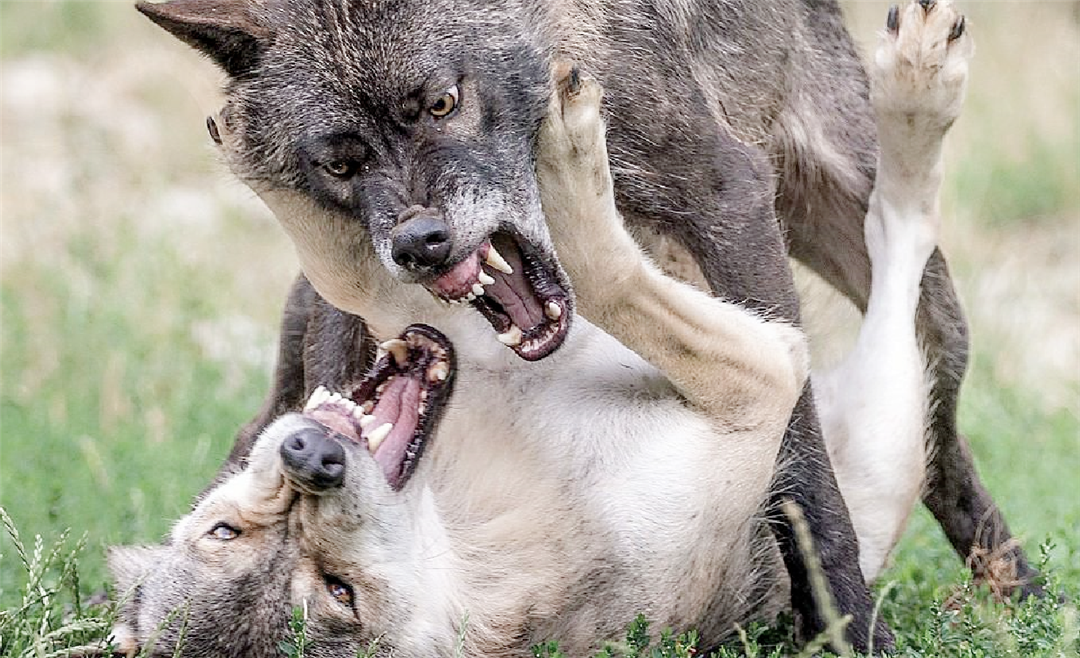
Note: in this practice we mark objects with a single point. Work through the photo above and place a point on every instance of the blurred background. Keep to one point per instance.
(140, 285)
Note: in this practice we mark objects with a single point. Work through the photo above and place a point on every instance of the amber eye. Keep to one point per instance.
(446, 103)
(339, 590)
(340, 168)
(224, 531)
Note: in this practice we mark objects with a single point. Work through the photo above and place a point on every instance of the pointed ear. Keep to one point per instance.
(225, 30)
(130, 565)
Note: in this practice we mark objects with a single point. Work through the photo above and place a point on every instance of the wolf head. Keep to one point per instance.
(219, 586)
(396, 132)
(326, 518)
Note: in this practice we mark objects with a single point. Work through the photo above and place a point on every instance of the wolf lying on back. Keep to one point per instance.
(631, 479)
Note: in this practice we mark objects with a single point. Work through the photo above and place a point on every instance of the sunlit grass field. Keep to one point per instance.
(140, 288)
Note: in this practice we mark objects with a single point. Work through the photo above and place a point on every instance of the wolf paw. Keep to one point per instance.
(920, 68)
(572, 139)
(575, 182)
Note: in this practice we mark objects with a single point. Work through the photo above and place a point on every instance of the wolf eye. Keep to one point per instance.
(340, 168)
(446, 103)
(339, 590)
(224, 531)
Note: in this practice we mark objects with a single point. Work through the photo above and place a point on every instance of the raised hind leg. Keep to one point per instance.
(918, 77)
(926, 49)
(874, 405)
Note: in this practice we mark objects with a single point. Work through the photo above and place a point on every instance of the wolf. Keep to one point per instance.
(396, 142)
(626, 472)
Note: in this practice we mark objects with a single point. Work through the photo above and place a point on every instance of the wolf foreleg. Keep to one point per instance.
(741, 369)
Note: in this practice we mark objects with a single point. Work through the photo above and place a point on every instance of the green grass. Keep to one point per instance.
(139, 290)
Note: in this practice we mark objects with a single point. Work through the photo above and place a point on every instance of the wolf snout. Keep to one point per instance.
(313, 459)
(421, 239)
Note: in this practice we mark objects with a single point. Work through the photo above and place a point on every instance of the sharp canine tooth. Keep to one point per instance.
(511, 337)
(477, 289)
(378, 435)
(398, 349)
(495, 260)
(485, 278)
(318, 396)
(366, 420)
(553, 310)
(438, 371)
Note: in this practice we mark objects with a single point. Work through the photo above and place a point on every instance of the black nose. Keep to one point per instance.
(420, 240)
(313, 459)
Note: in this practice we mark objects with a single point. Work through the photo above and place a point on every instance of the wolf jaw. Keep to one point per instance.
(509, 283)
(393, 411)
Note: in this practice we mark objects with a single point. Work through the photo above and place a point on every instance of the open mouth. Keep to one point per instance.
(507, 280)
(396, 407)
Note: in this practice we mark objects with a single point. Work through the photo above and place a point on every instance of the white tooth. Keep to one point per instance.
(368, 406)
(378, 435)
(366, 420)
(438, 371)
(553, 310)
(486, 278)
(470, 297)
(398, 349)
(421, 409)
(318, 396)
(495, 260)
(511, 337)
(478, 290)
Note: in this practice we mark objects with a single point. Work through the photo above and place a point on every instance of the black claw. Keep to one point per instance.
(892, 22)
(927, 5)
(211, 127)
(573, 81)
(957, 29)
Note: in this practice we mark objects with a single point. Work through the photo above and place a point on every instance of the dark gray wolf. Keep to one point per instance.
(396, 142)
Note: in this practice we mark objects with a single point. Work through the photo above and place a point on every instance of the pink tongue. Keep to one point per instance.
(459, 280)
(517, 299)
(397, 405)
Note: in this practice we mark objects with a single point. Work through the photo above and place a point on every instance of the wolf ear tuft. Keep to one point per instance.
(223, 29)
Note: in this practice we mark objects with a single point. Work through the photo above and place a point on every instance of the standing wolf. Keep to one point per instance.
(396, 143)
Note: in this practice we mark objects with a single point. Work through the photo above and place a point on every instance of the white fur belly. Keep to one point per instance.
(594, 447)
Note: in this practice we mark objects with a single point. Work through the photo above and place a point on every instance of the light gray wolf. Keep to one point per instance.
(397, 141)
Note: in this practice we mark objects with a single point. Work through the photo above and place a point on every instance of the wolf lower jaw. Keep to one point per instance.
(429, 544)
